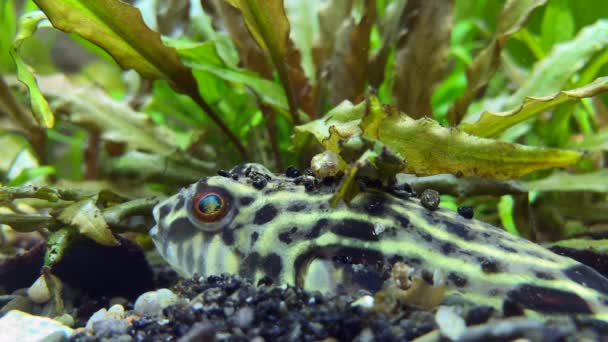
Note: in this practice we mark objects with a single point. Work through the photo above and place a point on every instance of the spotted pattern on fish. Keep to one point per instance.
(286, 230)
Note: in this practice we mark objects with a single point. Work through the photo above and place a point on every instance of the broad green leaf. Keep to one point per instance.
(491, 124)
(203, 56)
(558, 23)
(511, 19)
(421, 60)
(30, 174)
(115, 120)
(505, 212)
(88, 219)
(432, 149)
(552, 74)
(7, 31)
(119, 29)
(268, 24)
(596, 181)
(40, 107)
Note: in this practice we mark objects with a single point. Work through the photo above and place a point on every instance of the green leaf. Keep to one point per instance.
(268, 24)
(7, 31)
(511, 19)
(491, 124)
(29, 174)
(430, 148)
(204, 56)
(505, 211)
(88, 219)
(596, 181)
(552, 74)
(119, 29)
(115, 120)
(40, 107)
(558, 23)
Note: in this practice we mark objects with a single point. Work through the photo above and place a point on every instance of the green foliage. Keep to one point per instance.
(471, 88)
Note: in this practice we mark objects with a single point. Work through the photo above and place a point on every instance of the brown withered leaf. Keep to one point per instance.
(430, 148)
(334, 14)
(254, 58)
(250, 53)
(348, 62)
(420, 58)
(511, 19)
(119, 29)
(269, 26)
(304, 92)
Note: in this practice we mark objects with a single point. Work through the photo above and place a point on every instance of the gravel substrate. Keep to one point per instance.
(227, 308)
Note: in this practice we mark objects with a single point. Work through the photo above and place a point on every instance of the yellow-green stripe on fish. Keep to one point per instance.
(254, 223)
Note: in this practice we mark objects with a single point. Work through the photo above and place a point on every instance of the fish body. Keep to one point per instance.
(256, 224)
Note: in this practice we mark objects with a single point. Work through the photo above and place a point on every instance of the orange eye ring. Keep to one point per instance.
(209, 206)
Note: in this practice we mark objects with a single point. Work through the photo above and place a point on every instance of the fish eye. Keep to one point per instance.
(209, 206)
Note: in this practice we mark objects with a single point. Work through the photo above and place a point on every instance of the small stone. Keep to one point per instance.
(450, 323)
(115, 312)
(21, 303)
(430, 199)
(244, 317)
(366, 335)
(259, 182)
(366, 302)
(201, 331)
(292, 172)
(39, 291)
(65, 319)
(466, 212)
(99, 315)
(152, 303)
(110, 327)
(21, 326)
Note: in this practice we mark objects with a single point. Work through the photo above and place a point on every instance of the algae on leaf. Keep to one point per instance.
(430, 148)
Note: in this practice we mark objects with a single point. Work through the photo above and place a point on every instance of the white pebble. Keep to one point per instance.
(152, 303)
(39, 291)
(450, 323)
(366, 302)
(99, 315)
(20, 326)
(115, 312)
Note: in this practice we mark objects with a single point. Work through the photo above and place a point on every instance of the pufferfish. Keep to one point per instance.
(257, 224)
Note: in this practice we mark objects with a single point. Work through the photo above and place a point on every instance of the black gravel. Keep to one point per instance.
(227, 308)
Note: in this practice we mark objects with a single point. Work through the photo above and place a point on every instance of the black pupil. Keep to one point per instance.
(210, 204)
